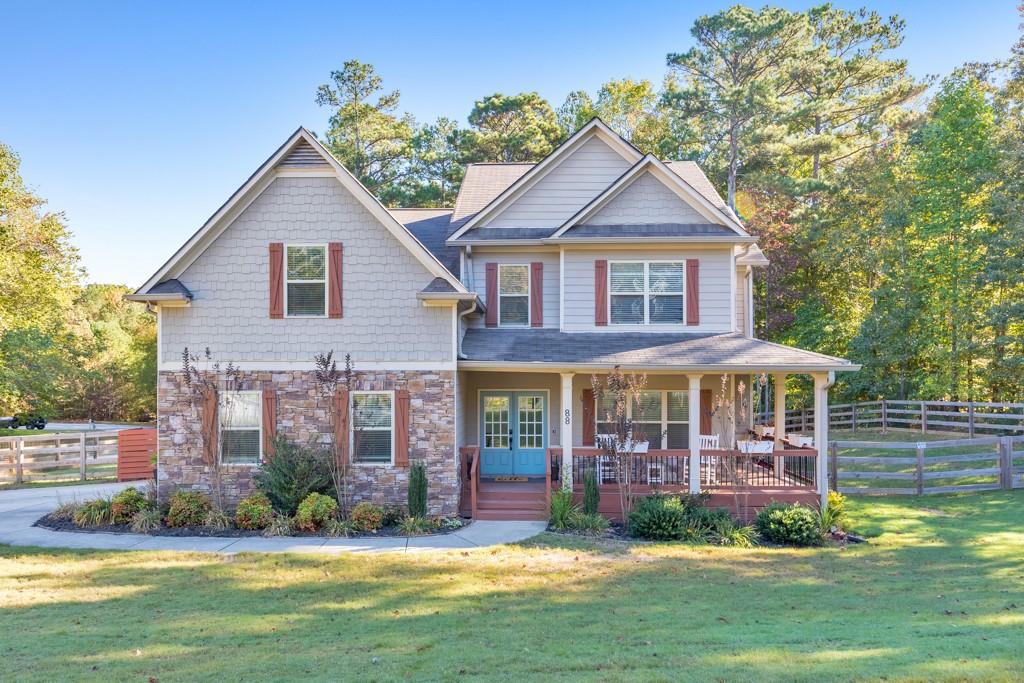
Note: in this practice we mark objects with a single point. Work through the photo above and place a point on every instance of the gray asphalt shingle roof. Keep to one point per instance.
(642, 349)
(431, 228)
(170, 287)
(647, 230)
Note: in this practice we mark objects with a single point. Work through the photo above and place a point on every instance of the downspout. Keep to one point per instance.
(471, 309)
(468, 281)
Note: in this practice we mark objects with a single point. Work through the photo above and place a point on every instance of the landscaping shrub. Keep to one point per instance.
(188, 508)
(254, 512)
(96, 512)
(415, 526)
(280, 525)
(314, 511)
(590, 524)
(146, 520)
(293, 472)
(125, 504)
(339, 528)
(833, 516)
(216, 518)
(418, 490)
(65, 512)
(791, 524)
(659, 517)
(367, 517)
(591, 494)
(392, 515)
(562, 508)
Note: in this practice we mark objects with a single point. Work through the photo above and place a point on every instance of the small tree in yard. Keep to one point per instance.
(328, 378)
(204, 378)
(418, 490)
(618, 390)
(728, 410)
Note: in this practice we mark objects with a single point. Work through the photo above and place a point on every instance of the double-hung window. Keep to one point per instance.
(373, 419)
(240, 415)
(646, 292)
(306, 281)
(513, 295)
(658, 417)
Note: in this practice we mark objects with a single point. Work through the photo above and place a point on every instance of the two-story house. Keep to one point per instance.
(475, 332)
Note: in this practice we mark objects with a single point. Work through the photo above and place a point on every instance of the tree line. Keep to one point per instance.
(890, 206)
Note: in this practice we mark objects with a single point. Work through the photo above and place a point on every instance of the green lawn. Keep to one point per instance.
(937, 595)
(26, 432)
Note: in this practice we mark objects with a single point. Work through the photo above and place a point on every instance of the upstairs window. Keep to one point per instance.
(240, 414)
(646, 293)
(373, 419)
(306, 281)
(513, 295)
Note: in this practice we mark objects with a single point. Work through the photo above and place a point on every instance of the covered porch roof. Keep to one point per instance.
(536, 349)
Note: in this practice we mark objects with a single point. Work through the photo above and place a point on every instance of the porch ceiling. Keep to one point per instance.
(731, 352)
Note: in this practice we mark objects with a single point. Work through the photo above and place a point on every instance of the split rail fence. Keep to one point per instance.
(972, 418)
(74, 456)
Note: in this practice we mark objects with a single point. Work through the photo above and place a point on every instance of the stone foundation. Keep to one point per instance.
(301, 416)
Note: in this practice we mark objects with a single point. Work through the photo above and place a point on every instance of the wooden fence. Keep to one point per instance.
(867, 467)
(59, 457)
(959, 417)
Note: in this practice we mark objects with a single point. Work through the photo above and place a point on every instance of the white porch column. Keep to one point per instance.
(822, 382)
(567, 429)
(694, 417)
(780, 421)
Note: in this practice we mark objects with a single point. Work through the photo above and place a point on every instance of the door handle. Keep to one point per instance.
(510, 439)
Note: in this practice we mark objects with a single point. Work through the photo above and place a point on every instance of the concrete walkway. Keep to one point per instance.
(20, 508)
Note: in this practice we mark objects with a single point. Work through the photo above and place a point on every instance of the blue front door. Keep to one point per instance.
(513, 425)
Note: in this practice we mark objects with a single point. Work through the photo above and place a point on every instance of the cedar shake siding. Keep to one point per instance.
(383, 321)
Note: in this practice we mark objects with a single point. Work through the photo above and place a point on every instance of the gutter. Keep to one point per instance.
(533, 366)
(462, 318)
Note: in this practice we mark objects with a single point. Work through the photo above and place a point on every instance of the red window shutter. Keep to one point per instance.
(589, 417)
(705, 411)
(209, 426)
(276, 280)
(269, 421)
(537, 295)
(491, 317)
(692, 291)
(334, 250)
(401, 428)
(341, 425)
(600, 292)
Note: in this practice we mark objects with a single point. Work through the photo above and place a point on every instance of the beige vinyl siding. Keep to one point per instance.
(482, 257)
(579, 178)
(715, 288)
(383, 319)
(646, 200)
(741, 300)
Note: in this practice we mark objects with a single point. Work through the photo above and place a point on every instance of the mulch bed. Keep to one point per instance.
(48, 522)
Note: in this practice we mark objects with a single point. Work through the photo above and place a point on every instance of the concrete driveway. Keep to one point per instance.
(20, 508)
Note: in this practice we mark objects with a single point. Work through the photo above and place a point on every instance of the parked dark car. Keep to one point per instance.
(28, 421)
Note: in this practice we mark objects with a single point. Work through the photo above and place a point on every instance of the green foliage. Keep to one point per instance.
(591, 524)
(146, 520)
(392, 515)
(417, 489)
(314, 511)
(834, 515)
(416, 526)
(188, 509)
(513, 128)
(217, 518)
(254, 512)
(280, 525)
(65, 512)
(97, 512)
(562, 509)
(293, 472)
(367, 517)
(339, 528)
(125, 504)
(591, 494)
(659, 517)
(791, 524)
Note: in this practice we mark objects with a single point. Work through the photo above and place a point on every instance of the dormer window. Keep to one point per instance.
(646, 292)
(306, 281)
(513, 295)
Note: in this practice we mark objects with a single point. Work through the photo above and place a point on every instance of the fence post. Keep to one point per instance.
(924, 418)
(1006, 462)
(803, 420)
(853, 415)
(833, 465)
(81, 456)
(19, 459)
(920, 468)
(885, 416)
(970, 419)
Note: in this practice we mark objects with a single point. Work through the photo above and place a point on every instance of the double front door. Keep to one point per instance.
(513, 426)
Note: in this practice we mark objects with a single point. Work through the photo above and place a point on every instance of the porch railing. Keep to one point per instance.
(790, 468)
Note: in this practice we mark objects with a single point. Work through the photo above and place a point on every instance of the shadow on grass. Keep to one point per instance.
(934, 596)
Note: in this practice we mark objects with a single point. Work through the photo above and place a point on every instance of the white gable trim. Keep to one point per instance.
(596, 127)
(259, 181)
(670, 179)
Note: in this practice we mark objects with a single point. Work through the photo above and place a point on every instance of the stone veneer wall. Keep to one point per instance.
(299, 417)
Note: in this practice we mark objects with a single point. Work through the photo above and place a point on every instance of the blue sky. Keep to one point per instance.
(138, 120)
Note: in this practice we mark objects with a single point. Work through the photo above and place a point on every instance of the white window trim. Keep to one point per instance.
(221, 428)
(287, 281)
(665, 422)
(352, 429)
(647, 293)
(529, 294)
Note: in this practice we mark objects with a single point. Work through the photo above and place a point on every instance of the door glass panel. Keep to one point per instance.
(496, 421)
(531, 422)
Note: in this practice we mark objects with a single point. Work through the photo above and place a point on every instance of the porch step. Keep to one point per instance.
(501, 500)
(511, 515)
(490, 503)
